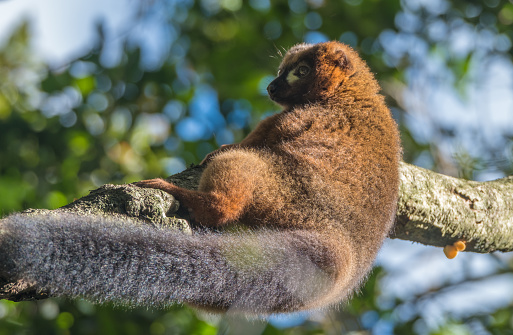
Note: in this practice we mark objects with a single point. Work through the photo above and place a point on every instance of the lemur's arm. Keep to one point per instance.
(266, 134)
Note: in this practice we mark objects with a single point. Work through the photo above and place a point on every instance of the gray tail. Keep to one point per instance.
(132, 264)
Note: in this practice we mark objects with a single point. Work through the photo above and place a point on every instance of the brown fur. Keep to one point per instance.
(327, 164)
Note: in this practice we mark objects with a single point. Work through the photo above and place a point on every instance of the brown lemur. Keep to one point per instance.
(314, 188)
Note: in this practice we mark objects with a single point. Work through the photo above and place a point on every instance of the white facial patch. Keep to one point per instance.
(291, 77)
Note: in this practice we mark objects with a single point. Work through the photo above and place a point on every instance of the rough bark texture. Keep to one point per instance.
(433, 209)
(437, 210)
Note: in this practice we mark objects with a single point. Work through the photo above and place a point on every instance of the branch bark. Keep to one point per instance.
(433, 209)
(438, 210)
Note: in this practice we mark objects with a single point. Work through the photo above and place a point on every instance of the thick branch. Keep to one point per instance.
(433, 209)
(437, 210)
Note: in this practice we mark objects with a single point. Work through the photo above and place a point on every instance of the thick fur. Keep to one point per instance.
(103, 260)
(314, 187)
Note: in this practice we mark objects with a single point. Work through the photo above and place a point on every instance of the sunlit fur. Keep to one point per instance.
(313, 190)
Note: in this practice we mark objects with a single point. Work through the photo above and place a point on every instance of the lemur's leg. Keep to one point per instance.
(226, 187)
(208, 208)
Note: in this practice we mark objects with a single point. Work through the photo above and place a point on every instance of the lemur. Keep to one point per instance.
(312, 191)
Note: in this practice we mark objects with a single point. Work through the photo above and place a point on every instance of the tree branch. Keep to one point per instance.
(433, 209)
(438, 210)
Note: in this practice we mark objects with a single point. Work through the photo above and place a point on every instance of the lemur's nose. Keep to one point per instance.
(271, 89)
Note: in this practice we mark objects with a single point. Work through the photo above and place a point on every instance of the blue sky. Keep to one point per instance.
(65, 29)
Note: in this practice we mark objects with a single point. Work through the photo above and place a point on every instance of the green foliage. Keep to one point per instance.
(81, 317)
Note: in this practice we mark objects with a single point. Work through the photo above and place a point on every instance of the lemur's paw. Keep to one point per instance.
(157, 183)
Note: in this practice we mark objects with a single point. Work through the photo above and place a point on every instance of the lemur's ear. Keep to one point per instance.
(343, 61)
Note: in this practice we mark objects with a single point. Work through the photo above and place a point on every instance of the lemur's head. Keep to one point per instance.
(310, 73)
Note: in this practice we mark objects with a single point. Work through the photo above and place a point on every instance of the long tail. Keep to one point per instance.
(128, 263)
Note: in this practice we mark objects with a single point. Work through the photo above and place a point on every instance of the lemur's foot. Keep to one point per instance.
(157, 183)
(161, 184)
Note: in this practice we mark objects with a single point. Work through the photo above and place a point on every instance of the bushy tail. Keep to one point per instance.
(103, 260)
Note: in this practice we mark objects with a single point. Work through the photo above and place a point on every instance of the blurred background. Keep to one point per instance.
(95, 92)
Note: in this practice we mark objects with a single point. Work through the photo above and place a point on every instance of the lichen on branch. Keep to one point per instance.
(435, 209)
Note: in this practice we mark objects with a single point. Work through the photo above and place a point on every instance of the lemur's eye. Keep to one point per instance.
(302, 71)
